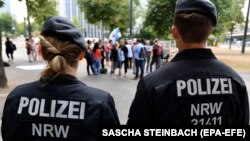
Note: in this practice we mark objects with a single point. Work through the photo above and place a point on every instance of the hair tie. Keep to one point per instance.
(59, 54)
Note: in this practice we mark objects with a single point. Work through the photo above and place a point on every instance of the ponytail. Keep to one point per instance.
(60, 55)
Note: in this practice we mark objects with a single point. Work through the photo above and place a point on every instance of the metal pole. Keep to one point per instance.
(102, 31)
(131, 19)
(245, 32)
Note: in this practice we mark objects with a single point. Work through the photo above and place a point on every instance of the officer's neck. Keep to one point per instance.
(71, 71)
(183, 46)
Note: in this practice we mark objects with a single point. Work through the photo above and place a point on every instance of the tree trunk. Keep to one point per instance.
(3, 78)
(28, 19)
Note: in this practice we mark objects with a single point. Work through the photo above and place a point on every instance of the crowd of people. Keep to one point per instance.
(120, 56)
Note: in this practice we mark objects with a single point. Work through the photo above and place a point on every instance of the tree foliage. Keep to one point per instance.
(1, 3)
(20, 28)
(77, 23)
(159, 17)
(229, 12)
(3, 78)
(161, 12)
(113, 13)
(7, 22)
(40, 10)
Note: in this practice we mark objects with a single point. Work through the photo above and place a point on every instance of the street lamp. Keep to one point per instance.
(231, 31)
(131, 19)
(245, 32)
(28, 18)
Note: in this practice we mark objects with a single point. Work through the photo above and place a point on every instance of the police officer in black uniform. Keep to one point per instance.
(194, 88)
(58, 106)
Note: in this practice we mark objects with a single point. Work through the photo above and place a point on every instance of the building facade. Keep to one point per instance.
(70, 10)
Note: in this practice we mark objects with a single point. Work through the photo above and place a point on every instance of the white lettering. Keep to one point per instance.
(192, 87)
(224, 86)
(216, 86)
(207, 86)
(215, 109)
(64, 104)
(48, 128)
(45, 130)
(61, 130)
(37, 130)
(82, 111)
(195, 109)
(53, 108)
(230, 86)
(34, 106)
(24, 102)
(180, 86)
(200, 88)
(104, 132)
(73, 109)
(205, 109)
(42, 107)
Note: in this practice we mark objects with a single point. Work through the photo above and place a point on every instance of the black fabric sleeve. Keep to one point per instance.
(141, 111)
(109, 117)
(245, 106)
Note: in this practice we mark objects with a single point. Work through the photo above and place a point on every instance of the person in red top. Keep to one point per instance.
(97, 59)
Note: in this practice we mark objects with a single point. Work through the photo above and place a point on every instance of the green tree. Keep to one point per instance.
(7, 22)
(3, 78)
(159, 17)
(113, 13)
(161, 12)
(40, 10)
(77, 23)
(1, 3)
(20, 28)
(229, 15)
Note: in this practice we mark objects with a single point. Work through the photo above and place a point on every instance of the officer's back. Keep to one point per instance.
(58, 106)
(194, 88)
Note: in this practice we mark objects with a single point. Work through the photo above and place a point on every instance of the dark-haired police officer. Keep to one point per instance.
(194, 88)
(58, 106)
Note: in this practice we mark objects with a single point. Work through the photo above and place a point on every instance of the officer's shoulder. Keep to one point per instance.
(229, 71)
(164, 73)
(21, 89)
(96, 93)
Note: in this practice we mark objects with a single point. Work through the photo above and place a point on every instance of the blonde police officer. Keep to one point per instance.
(58, 106)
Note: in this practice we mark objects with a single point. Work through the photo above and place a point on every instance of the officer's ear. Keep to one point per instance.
(81, 56)
(175, 32)
(211, 31)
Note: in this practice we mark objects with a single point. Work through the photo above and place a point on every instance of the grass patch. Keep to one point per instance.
(234, 58)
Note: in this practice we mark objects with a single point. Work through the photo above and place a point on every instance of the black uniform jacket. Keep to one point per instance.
(193, 89)
(63, 109)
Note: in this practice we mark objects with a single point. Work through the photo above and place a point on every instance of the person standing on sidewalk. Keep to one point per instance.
(9, 49)
(58, 106)
(194, 88)
(89, 58)
(139, 60)
(29, 49)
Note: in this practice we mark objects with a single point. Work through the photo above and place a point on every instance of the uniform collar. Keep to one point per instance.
(62, 79)
(194, 53)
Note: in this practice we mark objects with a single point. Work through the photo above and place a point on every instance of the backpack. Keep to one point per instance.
(142, 53)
